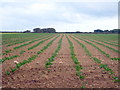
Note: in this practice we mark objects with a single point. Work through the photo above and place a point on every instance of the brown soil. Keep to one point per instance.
(27, 73)
(112, 53)
(22, 48)
(94, 75)
(24, 56)
(62, 73)
(105, 60)
(115, 47)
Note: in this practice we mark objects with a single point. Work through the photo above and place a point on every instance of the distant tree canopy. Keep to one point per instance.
(107, 31)
(44, 30)
(27, 31)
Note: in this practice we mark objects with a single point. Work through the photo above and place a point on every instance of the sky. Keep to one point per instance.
(63, 15)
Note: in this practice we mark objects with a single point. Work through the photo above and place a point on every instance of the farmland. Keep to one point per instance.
(60, 60)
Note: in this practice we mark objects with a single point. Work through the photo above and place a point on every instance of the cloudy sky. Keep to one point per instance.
(63, 15)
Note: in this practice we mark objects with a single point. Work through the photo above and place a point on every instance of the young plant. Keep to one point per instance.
(7, 73)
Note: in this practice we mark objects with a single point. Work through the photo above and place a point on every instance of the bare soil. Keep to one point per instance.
(62, 73)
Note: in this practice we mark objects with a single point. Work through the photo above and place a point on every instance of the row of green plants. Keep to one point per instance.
(22, 51)
(28, 43)
(21, 64)
(95, 47)
(30, 59)
(103, 52)
(78, 67)
(110, 43)
(12, 39)
(4, 59)
(115, 50)
(51, 59)
(11, 57)
(8, 58)
(18, 42)
(39, 43)
(6, 52)
(45, 47)
(83, 46)
(102, 40)
(104, 66)
(117, 59)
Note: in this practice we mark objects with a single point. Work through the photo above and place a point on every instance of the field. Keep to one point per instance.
(36, 60)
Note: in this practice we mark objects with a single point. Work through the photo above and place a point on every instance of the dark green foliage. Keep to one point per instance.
(48, 64)
(22, 52)
(107, 46)
(7, 51)
(8, 58)
(26, 61)
(75, 60)
(7, 73)
(45, 47)
(78, 67)
(96, 47)
(116, 79)
(13, 70)
(96, 60)
(51, 59)
(106, 68)
(78, 73)
(39, 43)
(81, 77)
(118, 59)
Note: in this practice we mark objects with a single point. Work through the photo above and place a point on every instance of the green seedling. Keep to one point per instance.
(81, 77)
(83, 86)
(22, 52)
(47, 64)
(13, 70)
(78, 73)
(78, 67)
(7, 73)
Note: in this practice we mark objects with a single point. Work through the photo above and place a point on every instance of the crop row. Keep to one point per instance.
(29, 43)
(8, 58)
(8, 51)
(106, 46)
(11, 57)
(104, 66)
(110, 43)
(12, 39)
(30, 59)
(51, 59)
(103, 52)
(18, 42)
(39, 43)
(78, 67)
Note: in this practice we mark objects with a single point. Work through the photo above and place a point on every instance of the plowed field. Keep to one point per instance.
(60, 61)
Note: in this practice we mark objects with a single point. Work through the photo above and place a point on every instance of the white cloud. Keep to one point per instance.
(24, 14)
(38, 8)
(89, 25)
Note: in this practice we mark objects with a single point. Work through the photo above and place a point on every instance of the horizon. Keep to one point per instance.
(64, 16)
